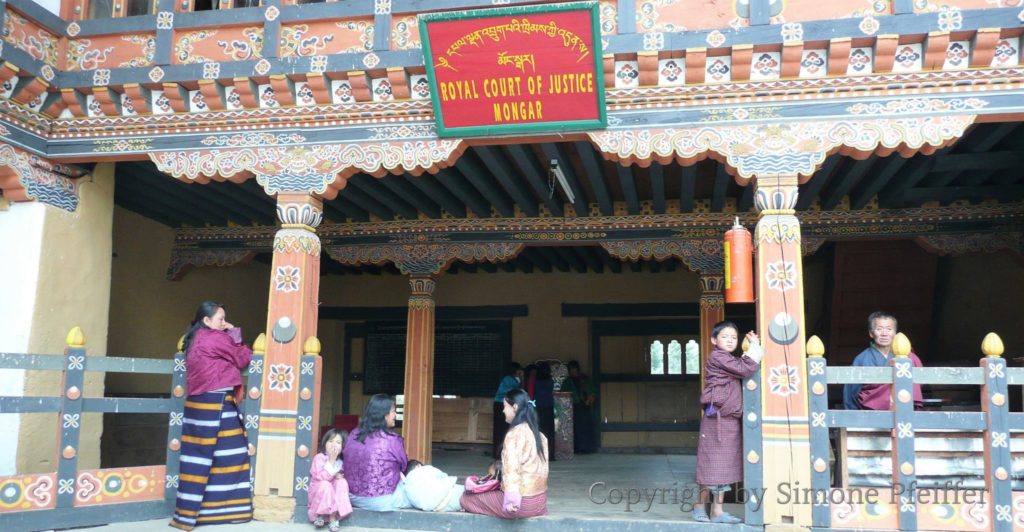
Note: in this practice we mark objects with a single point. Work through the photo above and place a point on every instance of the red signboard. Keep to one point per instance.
(519, 69)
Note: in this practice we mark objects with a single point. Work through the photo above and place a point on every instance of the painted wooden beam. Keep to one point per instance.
(746, 201)
(165, 205)
(428, 185)
(400, 187)
(687, 184)
(810, 190)
(499, 166)
(841, 186)
(875, 181)
(557, 151)
(592, 261)
(374, 189)
(555, 259)
(334, 214)
(656, 173)
(892, 195)
(721, 186)
(534, 173)
(478, 175)
(350, 209)
(461, 189)
(610, 262)
(137, 180)
(950, 194)
(523, 264)
(628, 185)
(532, 256)
(592, 168)
(571, 258)
(367, 202)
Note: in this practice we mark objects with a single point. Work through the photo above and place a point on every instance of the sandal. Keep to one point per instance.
(319, 522)
(726, 518)
(335, 526)
(700, 515)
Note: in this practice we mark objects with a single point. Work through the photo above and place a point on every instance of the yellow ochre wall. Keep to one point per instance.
(148, 312)
(73, 290)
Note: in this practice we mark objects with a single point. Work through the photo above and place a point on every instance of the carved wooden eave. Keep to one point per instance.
(693, 238)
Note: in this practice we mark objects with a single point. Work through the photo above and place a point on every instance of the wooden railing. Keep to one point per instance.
(906, 503)
(71, 497)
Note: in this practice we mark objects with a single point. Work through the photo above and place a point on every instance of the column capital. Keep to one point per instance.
(712, 283)
(299, 210)
(776, 194)
(422, 285)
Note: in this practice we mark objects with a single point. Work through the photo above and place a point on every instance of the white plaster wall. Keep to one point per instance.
(53, 6)
(21, 232)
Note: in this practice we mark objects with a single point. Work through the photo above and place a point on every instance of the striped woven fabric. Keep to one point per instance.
(213, 484)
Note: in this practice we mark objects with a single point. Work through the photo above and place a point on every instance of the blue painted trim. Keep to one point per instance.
(859, 375)
(26, 62)
(251, 407)
(139, 24)
(331, 10)
(24, 139)
(126, 405)
(382, 32)
(174, 429)
(220, 17)
(41, 16)
(759, 12)
(903, 442)
(309, 367)
(901, 7)
(626, 16)
(101, 514)
(949, 420)
(1016, 421)
(272, 33)
(753, 473)
(997, 444)
(426, 6)
(70, 423)
(30, 404)
(818, 403)
(817, 30)
(28, 361)
(861, 419)
(129, 365)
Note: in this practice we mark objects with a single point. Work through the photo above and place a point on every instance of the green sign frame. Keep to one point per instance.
(512, 129)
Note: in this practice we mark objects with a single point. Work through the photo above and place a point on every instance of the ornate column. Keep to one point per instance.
(780, 324)
(291, 320)
(417, 421)
(712, 311)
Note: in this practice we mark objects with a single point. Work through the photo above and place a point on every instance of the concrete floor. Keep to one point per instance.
(597, 492)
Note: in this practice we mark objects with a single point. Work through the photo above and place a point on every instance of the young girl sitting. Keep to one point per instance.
(488, 482)
(720, 447)
(328, 490)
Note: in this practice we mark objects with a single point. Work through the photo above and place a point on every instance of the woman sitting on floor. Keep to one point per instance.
(524, 466)
(375, 459)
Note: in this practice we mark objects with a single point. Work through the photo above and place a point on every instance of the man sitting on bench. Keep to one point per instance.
(882, 329)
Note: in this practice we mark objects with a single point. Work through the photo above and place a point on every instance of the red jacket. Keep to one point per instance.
(214, 361)
(722, 376)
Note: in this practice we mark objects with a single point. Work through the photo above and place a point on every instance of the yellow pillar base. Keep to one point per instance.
(273, 509)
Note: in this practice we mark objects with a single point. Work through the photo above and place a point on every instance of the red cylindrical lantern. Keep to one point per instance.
(739, 263)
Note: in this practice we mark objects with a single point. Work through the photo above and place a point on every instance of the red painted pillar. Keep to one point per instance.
(712, 311)
(417, 421)
(778, 277)
(291, 320)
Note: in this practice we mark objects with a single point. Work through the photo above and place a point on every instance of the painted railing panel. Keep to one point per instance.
(910, 502)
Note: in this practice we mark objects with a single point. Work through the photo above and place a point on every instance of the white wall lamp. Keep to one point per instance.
(556, 173)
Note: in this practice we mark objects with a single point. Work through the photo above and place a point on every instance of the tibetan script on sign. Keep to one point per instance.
(515, 70)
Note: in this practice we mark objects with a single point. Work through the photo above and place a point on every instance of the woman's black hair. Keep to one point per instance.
(543, 371)
(572, 364)
(373, 416)
(525, 413)
(331, 434)
(512, 368)
(207, 309)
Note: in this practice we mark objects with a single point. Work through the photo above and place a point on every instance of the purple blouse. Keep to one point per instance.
(374, 467)
(214, 360)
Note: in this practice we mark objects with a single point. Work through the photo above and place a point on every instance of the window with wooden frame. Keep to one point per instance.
(100, 9)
